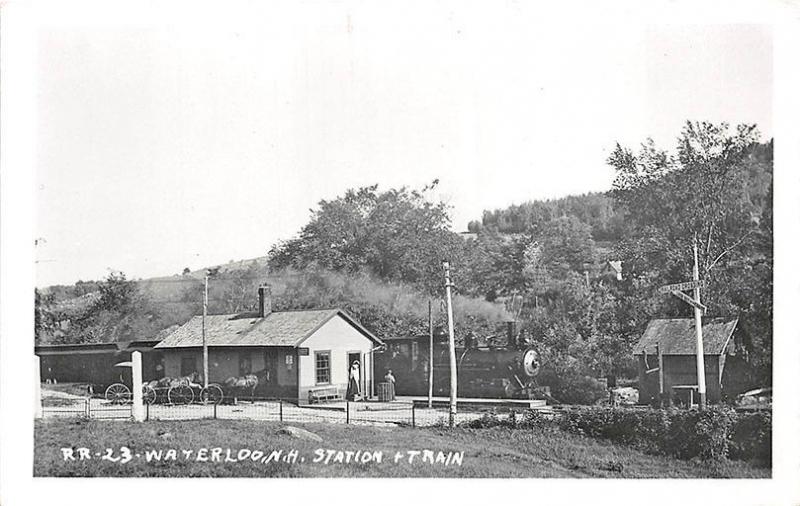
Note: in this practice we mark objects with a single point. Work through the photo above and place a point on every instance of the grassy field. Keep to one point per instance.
(495, 452)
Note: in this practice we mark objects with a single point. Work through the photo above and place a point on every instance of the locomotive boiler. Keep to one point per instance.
(487, 372)
(506, 371)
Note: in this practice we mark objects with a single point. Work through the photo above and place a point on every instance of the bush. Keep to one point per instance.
(703, 434)
(530, 419)
(486, 421)
(534, 419)
(571, 387)
(712, 434)
(643, 429)
(751, 437)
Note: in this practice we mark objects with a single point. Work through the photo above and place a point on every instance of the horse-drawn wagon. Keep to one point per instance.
(178, 391)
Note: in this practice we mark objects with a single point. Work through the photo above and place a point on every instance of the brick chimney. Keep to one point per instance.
(264, 301)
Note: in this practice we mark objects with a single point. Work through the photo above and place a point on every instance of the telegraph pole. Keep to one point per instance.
(699, 310)
(452, 343)
(205, 346)
(430, 355)
(698, 325)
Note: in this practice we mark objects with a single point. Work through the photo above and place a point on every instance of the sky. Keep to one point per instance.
(164, 146)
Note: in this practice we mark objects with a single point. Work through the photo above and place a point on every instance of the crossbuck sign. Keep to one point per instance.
(677, 291)
(679, 287)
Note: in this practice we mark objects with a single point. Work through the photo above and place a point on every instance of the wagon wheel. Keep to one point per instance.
(212, 394)
(148, 394)
(181, 394)
(118, 393)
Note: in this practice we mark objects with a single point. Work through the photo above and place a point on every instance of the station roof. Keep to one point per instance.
(282, 328)
(676, 336)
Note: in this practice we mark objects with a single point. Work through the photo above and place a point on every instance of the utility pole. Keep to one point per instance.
(452, 343)
(698, 324)
(699, 310)
(430, 354)
(205, 346)
(660, 376)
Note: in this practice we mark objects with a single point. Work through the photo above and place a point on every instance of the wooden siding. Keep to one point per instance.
(340, 338)
(679, 370)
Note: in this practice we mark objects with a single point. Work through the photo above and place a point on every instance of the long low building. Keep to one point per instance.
(93, 364)
(292, 352)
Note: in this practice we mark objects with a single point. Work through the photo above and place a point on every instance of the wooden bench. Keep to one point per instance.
(324, 394)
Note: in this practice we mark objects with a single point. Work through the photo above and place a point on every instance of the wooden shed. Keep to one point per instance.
(676, 340)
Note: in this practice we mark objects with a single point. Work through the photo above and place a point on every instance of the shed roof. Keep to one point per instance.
(283, 328)
(676, 336)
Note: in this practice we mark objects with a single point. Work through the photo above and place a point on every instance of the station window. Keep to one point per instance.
(322, 359)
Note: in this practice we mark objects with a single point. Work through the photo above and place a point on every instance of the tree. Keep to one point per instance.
(397, 235)
(121, 312)
(46, 317)
(566, 245)
(235, 291)
(716, 190)
(700, 192)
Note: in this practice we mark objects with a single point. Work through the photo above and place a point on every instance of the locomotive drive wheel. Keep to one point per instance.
(212, 394)
(118, 394)
(182, 394)
(148, 394)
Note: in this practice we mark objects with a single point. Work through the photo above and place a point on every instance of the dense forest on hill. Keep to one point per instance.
(597, 210)
(548, 264)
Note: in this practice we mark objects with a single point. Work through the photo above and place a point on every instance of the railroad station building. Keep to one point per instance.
(677, 342)
(294, 353)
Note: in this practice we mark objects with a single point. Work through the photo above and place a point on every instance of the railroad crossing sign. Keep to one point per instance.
(689, 300)
(679, 287)
(677, 291)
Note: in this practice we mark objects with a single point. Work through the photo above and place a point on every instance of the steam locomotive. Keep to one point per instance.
(507, 371)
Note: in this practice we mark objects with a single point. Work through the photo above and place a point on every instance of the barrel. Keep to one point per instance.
(385, 392)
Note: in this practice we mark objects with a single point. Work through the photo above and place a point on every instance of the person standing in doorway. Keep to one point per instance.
(353, 389)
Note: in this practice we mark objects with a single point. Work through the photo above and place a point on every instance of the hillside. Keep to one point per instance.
(385, 308)
(378, 254)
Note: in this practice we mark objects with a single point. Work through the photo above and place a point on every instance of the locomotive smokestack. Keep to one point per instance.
(511, 335)
(264, 301)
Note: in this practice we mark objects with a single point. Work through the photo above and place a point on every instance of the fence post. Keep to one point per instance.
(413, 414)
(147, 412)
(137, 407)
(347, 409)
(280, 412)
(215, 411)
